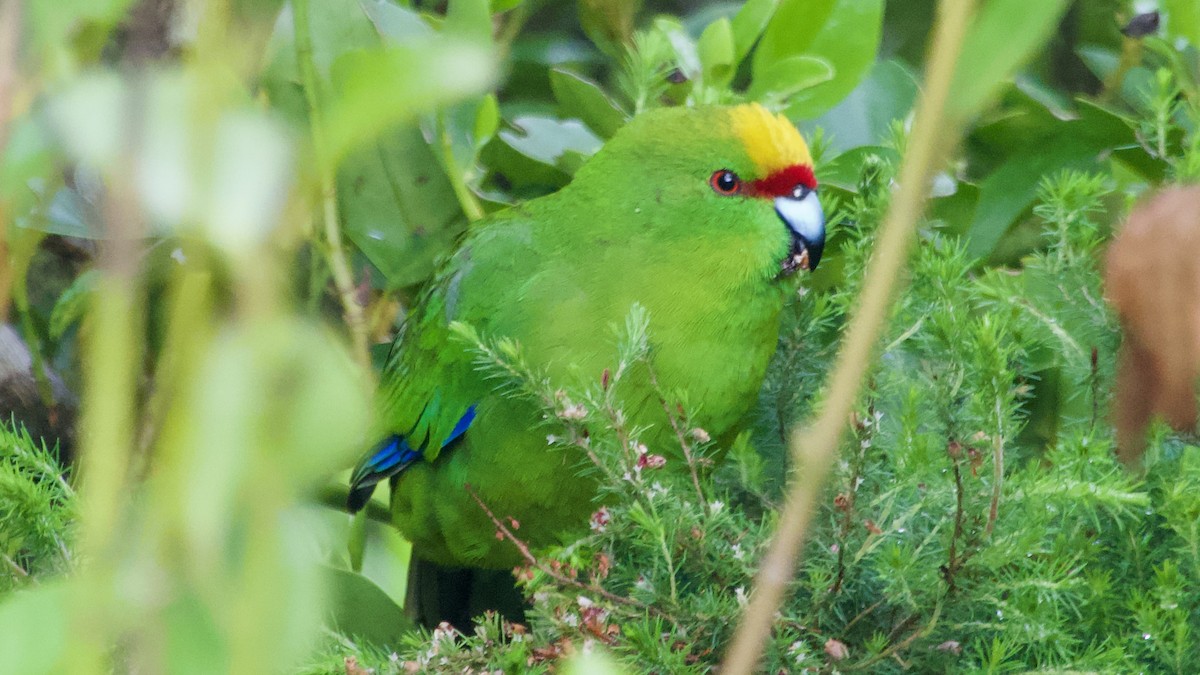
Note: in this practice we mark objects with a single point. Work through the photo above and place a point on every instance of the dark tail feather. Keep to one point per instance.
(387, 459)
(456, 595)
(359, 496)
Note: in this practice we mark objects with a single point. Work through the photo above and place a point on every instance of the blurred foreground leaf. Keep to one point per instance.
(361, 609)
(841, 33)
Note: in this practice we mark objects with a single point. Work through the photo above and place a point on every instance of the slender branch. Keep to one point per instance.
(815, 449)
(896, 647)
(952, 561)
(334, 496)
(343, 275)
(466, 199)
(683, 442)
(997, 470)
(559, 577)
(17, 569)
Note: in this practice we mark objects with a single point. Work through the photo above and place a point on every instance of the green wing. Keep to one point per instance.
(430, 389)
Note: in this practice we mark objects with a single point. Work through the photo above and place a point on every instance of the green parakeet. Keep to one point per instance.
(700, 215)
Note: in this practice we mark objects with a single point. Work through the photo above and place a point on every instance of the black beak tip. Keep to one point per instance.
(815, 249)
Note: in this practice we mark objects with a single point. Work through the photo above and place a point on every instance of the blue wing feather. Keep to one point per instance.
(391, 457)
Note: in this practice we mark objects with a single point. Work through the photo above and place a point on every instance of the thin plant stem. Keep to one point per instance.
(10, 41)
(997, 470)
(815, 448)
(339, 264)
(466, 199)
(112, 356)
(560, 578)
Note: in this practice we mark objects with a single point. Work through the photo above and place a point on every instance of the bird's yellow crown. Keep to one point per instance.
(771, 140)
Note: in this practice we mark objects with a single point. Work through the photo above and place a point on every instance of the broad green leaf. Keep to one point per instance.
(394, 23)
(845, 170)
(487, 120)
(865, 116)
(34, 629)
(748, 25)
(1031, 144)
(843, 33)
(29, 155)
(583, 99)
(283, 389)
(994, 47)
(234, 198)
(250, 175)
(194, 644)
(788, 77)
(716, 51)
(68, 34)
(470, 21)
(546, 140)
(1010, 190)
(361, 609)
(380, 88)
(1183, 19)
(538, 153)
(337, 26)
(397, 206)
(68, 214)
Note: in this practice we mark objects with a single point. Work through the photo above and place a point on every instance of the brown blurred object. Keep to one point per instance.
(1153, 280)
(21, 402)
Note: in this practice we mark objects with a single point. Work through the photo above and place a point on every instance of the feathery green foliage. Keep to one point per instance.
(37, 511)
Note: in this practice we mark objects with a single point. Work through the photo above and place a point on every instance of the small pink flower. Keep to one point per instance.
(648, 461)
(600, 519)
(836, 649)
(574, 411)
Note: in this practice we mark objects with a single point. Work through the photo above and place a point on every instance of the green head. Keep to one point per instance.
(729, 189)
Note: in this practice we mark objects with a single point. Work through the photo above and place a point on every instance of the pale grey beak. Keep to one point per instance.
(801, 212)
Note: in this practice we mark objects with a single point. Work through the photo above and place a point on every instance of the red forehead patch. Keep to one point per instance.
(782, 182)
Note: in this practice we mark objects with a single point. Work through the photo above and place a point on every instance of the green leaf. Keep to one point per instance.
(380, 88)
(361, 609)
(337, 26)
(583, 99)
(469, 20)
(994, 48)
(789, 77)
(845, 170)
(67, 33)
(398, 207)
(72, 304)
(843, 33)
(394, 23)
(487, 120)
(546, 140)
(716, 49)
(1029, 143)
(33, 629)
(1183, 19)
(865, 116)
(748, 25)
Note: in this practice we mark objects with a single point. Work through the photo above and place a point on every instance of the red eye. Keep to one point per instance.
(725, 182)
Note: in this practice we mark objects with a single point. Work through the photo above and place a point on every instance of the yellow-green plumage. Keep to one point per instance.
(644, 222)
